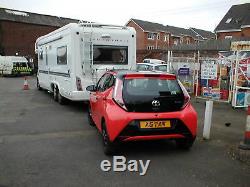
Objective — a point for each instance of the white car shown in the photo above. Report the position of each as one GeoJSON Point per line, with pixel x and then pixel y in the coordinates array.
{"type": "Point", "coordinates": [152, 67]}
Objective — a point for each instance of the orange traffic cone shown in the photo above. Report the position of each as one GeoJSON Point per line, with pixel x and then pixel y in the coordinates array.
{"type": "Point", "coordinates": [25, 84]}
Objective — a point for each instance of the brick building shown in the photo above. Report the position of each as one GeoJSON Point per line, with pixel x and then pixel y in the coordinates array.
{"type": "Point", "coordinates": [19, 31]}
{"type": "Point", "coordinates": [157, 36]}
{"type": "Point", "coordinates": [236, 23]}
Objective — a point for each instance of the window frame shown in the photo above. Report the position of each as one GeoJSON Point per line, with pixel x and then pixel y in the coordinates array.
{"type": "Point", "coordinates": [228, 37]}
{"type": "Point", "coordinates": [151, 36]}
{"type": "Point", "coordinates": [150, 47]}
{"type": "Point", "coordinates": [112, 47]}
{"type": "Point", "coordinates": [58, 57]}
{"type": "Point", "coordinates": [106, 83]}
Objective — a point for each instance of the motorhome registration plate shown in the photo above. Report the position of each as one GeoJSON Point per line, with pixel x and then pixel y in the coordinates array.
{"type": "Point", "coordinates": [155, 124]}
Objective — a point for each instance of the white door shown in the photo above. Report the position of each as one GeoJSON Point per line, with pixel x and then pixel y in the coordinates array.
{"type": "Point", "coordinates": [63, 72]}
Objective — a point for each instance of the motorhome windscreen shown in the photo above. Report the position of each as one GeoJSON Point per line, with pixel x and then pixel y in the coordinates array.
{"type": "Point", "coordinates": [19, 64]}
{"type": "Point", "coordinates": [115, 55]}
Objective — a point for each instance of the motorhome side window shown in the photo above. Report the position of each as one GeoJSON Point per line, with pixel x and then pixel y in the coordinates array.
{"type": "Point", "coordinates": [62, 55]}
{"type": "Point", "coordinates": [116, 55]}
{"type": "Point", "coordinates": [41, 54]}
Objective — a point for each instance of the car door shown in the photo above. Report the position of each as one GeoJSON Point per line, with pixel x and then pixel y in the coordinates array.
{"type": "Point", "coordinates": [98, 98]}
{"type": "Point", "coordinates": [94, 97]}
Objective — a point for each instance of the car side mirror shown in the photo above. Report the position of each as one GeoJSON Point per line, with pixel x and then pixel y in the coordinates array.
{"type": "Point", "coordinates": [91, 88]}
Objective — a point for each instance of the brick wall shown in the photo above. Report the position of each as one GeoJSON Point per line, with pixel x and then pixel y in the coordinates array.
{"type": "Point", "coordinates": [21, 37]}
{"type": "Point", "coordinates": [140, 39]}
{"type": "Point", "coordinates": [245, 32]}
{"type": "Point", "coordinates": [155, 54]}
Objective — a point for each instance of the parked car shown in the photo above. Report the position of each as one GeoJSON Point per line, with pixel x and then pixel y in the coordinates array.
{"type": "Point", "coordinates": [152, 67]}
{"type": "Point", "coordinates": [153, 61]}
{"type": "Point", "coordinates": [131, 106]}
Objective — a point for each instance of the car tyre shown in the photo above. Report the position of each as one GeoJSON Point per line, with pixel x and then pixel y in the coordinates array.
{"type": "Point", "coordinates": [185, 143]}
{"type": "Point", "coordinates": [55, 93]}
{"type": "Point", "coordinates": [90, 119]}
{"type": "Point", "coordinates": [108, 147]}
{"type": "Point", "coordinates": [38, 85]}
{"type": "Point", "coordinates": [61, 99]}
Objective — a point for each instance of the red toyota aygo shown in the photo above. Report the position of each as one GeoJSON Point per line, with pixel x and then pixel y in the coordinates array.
{"type": "Point", "coordinates": [132, 106]}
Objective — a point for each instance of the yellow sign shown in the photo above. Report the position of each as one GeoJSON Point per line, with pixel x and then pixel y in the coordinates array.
{"type": "Point", "coordinates": [240, 45]}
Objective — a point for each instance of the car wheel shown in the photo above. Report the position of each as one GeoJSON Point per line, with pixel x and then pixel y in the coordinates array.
{"type": "Point", "coordinates": [38, 85]}
{"type": "Point", "coordinates": [55, 93]}
{"type": "Point", "coordinates": [185, 143]}
{"type": "Point", "coordinates": [108, 147]}
{"type": "Point", "coordinates": [61, 99]}
{"type": "Point", "coordinates": [90, 119]}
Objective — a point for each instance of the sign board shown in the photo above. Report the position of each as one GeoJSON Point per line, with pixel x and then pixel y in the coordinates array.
{"type": "Point", "coordinates": [183, 69]}
{"type": "Point", "coordinates": [240, 45]}
{"type": "Point", "coordinates": [209, 71]}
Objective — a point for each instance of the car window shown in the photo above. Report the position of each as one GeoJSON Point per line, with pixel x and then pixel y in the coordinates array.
{"type": "Point", "coordinates": [152, 86]}
{"type": "Point", "coordinates": [161, 68]}
{"type": "Point", "coordinates": [100, 83]}
{"type": "Point", "coordinates": [109, 82]}
{"type": "Point", "coordinates": [105, 82]}
{"type": "Point", "coordinates": [144, 67]}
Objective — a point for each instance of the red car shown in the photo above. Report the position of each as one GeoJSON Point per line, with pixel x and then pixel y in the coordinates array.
{"type": "Point", "coordinates": [131, 106]}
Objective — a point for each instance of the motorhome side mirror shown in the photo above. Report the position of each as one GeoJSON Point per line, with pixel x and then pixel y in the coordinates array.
{"type": "Point", "coordinates": [91, 88]}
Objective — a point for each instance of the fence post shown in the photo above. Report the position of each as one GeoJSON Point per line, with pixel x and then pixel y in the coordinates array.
{"type": "Point", "coordinates": [197, 78]}
{"type": "Point", "coordinates": [208, 119]}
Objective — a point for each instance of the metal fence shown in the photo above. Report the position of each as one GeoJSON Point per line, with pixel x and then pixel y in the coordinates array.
{"type": "Point", "coordinates": [184, 68]}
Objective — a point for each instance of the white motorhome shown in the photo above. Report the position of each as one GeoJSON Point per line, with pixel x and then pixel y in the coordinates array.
{"type": "Point", "coordinates": [76, 55]}
{"type": "Point", "coordinates": [14, 65]}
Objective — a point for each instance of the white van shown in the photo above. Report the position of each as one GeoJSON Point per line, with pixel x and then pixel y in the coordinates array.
{"type": "Point", "coordinates": [14, 65]}
{"type": "Point", "coordinates": [154, 65]}
{"type": "Point", "coordinates": [77, 55]}
{"type": "Point", "coordinates": [153, 61]}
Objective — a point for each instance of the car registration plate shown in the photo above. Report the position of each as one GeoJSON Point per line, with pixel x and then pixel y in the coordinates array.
{"type": "Point", "coordinates": [155, 124]}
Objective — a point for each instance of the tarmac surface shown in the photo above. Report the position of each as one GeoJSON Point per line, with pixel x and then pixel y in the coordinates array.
{"type": "Point", "coordinates": [43, 143]}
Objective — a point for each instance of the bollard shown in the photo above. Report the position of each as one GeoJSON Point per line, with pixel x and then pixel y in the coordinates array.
{"type": "Point", "coordinates": [245, 144]}
{"type": "Point", "coordinates": [208, 119]}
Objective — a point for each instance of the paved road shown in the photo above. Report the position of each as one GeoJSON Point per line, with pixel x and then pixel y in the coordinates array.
{"type": "Point", "coordinates": [45, 144]}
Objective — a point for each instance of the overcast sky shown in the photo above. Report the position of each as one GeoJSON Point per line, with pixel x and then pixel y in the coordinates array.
{"type": "Point", "coordinates": [202, 14]}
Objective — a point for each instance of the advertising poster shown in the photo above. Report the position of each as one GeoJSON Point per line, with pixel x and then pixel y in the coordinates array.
{"type": "Point", "coordinates": [208, 70]}
{"type": "Point", "coordinates": [244, 69]}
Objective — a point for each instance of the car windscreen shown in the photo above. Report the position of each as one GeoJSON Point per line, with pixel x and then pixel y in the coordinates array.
{"type": "Point", "coordinates": [138, 94]}
{"type": "Point", "coordinates": [143, 67]}
{"type": "Point", "coordinates": [115, 55]}
{"type": "Point", "coordinates": [161, 68]}
{"type": "Point", "coordinates": [19, 64]}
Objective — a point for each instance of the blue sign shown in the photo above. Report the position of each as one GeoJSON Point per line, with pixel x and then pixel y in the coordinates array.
{"type": "Point", "coordinates": [183, 71]}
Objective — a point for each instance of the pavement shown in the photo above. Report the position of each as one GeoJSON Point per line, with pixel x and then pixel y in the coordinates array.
{"type": "Point", "coordinates": [43, 143]}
